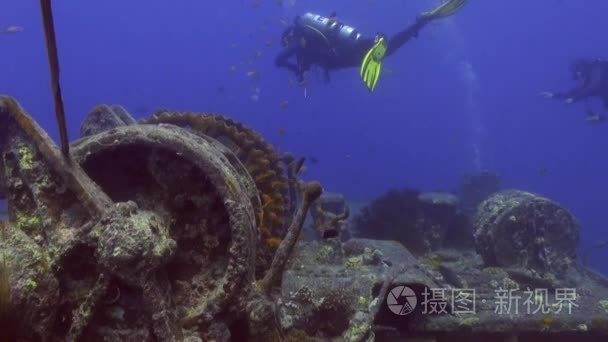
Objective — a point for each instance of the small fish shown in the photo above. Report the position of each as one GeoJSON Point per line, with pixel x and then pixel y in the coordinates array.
{"type": "Point", "coordinates": [232, 69]}
{"type": "Point", "coordinates": [292, 3]}
{"type": "Point", "coordinates": [284, 22]}
{"type": "Point", "coordinates": [347, 156]}
{"type": "Point", "coordinates": [256, 94]}
{"type": "Point", "coordinates": [256, 4]}
{"type": "Point", "coordinates": [12, 29]}
{"type": "Point", "coordinates": [234, 45]}
{"type": "Point", "coordinates": [254, 74]}
{"type": "Point", "coordinates": [313, 160]}
{"type": "Point", "coordinates": [542, 171]}
{"type": "Point", "coordinates": [269, 42]}
{"type": "Point", "coordinates": [291, 82]}
{"type": "Point", "coordinates": [281, 131]}
{"type": "Point", "coordinates": [595, 118]}
{"type": "Point", "coordinates": [284, 104]}
{"type": "Point", "coordinates": [257, 54]}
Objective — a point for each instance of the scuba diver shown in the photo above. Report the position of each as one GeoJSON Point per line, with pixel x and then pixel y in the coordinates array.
{"type": "Point", "coordinates": [315, 40]}
{"type": "Point", "coordinates": [592, 76]}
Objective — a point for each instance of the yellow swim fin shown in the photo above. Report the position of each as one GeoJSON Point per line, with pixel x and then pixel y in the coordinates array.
{"type": "Point", "coordinates": [445, 10]}
{"type": "Point", "coordinates": [372, 63]}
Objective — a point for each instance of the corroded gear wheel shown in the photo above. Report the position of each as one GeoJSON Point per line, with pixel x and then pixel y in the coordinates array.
{"type": "Point", "coordinates": [160, 244]}
{"type": "Point", "coordinates": [262, 163]}
{"type": "Point", "coordinates": [204, 195]}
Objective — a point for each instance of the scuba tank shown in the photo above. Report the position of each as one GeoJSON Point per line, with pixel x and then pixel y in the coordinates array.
{"type": "Point", "coordinates": [330, 30]}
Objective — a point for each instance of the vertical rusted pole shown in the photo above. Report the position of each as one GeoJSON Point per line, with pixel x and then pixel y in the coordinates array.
{"type": "Point", "coordinates": [311, 192]}
{"type": "Point", "coordinates": [51, 48]}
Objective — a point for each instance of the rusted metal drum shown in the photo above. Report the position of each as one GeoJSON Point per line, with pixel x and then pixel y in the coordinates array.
{"type": "Point", "coordinates": [517, 229]}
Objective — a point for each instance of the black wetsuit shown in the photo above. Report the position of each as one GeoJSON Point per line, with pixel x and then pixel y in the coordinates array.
{"type": "Point", "coordinates": [594, 83]}
{"type": "Point", "coordinates": [310, 49]}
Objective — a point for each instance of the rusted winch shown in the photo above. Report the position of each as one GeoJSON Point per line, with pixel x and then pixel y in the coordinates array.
{"type": "Point", "coordinates": [147, 232]}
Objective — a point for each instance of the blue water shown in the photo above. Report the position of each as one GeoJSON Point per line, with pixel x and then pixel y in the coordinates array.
{"type": "Point", "coordinates": [460, 98]}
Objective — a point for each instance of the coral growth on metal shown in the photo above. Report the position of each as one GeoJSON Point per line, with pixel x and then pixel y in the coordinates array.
{"type": "Point", "coordinates": [260, 160]}
{"type": "Point", "coordinates": [146, 232]}
{"type": "Point", "coordinates": [176, 230]}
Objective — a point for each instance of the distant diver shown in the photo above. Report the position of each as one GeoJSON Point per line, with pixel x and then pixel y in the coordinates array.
{"type": "Point", "coordinates": [331, 45]}
{"type": "Point", "coordinates": [592, 76]}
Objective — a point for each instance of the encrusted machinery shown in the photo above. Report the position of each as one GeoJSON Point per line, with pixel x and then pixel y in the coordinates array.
{"type": "Point", "coordinates": [329, 214]}
{"type": "Point", "coordinates": [260, 160]}
{"type": "Point", "coordinates": [151, 232]}
{"type": "Point", "coordinates": [517, 229]}
{"type": "Point", "coordinates": [147, 232]}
